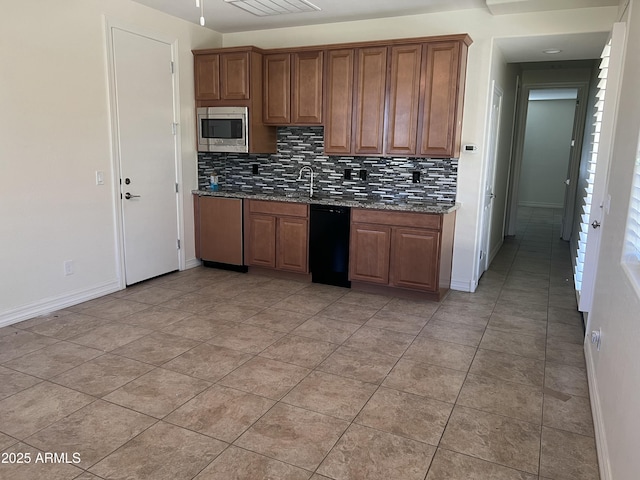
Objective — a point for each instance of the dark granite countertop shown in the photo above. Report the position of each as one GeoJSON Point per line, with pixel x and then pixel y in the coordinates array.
{"type": "Point", "coordinates": [426, 207]}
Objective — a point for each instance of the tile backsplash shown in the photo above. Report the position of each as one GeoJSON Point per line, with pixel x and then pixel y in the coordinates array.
{"type": "Point", "coordinates": [387, 179]}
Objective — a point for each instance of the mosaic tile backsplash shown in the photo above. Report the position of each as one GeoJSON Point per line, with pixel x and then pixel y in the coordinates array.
{"type": "Point", "coordinates": [387, 179]}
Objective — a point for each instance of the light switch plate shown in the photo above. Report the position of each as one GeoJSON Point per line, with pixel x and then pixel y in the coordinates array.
{"type": "Point", "coordinates": [99, 177]}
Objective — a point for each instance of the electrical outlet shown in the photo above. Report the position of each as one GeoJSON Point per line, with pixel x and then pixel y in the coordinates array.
{"type": "Point", "coordinates": [347, 174]}
{"type": "Point", "coordinates": [254, 169]}
{"type": "Point", "coordinates": [415, 177]}
{"type": "Point", "coordinates": [68, 267]}
{"type": "Point", "coordinates": [363, 174]}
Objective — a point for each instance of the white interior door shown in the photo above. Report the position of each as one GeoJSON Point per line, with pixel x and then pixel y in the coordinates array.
{"type": "Point", "coordinates": [594, 199]}
{"type": "Point", "coordinates": [490, 179]}
{"type": "Point", "coordinates": [146, 144]}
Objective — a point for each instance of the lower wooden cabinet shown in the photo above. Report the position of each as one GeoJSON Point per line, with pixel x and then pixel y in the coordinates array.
{"type": "Point", "coordinates": [400, 249]}
{"type": "Point", "coordinates": [415, 261]}
{"type": "Point", "coordinates": [218, 229]}
{"type": "Point", "coordinates": [262, 241]}
{"type": "Point", "coordinates": [369, 253]}
{"type": "Point", "coordinates": [277, 235]}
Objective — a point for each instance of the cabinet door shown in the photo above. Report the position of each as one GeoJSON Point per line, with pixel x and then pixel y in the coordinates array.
{"type": "Point", "coordinates": [234, 79]}
{"type": "Point", "coordinates": [371, 74]}
{"type": "Point", "coordinates": [338, 101]}
{"type": "Point", "coordinates": [403, 100]}
{"type": "Point", "coordinates": [441, 71]}
{"type": "Point", "coordinates": [414, 259]}
{"type": "Point", "coordinates": [277, 89]}
{"type": "Point", "coordinates": [306, 90]}
{"type": "Point", "coordinates": [221, 230]}
{"type": "Point", "coordinates": [207, 76]}
{"type": "Point", "coordinates": [369, 253]}
{"type": "Point", "coordinates": [292, 244]}
{"type": "Point", "coordinates": [262, 241]}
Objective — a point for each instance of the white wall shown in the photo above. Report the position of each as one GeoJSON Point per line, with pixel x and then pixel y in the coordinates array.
{"type": "Point", "coordinates": [483, 28]}
{"type": "Point", "coordinates": [54, 135]}
{"type": "Point", "coordinates": [614, 371]}
{"type": "Point", "coordinates": [546, 152]}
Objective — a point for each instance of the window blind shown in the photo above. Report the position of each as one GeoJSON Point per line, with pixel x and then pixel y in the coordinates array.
{"type": "Point", "coordinates": [632, 238]}
{"type": "Point", "coordinates": [585, 204]}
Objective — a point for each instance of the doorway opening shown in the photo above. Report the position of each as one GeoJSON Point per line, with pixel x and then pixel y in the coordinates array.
{"type": "Point", "coordinates": [548, 150]}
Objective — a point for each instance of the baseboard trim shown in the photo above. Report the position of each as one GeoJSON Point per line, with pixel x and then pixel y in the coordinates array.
{"type": "Point", "coordinates": [192, 263]}
{"type": "Point", "coordinates": [463, 286]}
{"type": "Point", "coordinates": [52, 304]}
{"type": "Point", "coordinates": [596, 411]}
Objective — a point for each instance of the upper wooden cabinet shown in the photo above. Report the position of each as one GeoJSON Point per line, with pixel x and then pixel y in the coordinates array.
{"type": "Point", "coordinates": [338, 101]}
{"type": "Point", "coordinates": [400, 99]}
{"type": "Point", "coordinates": [441, 101]}
{"type": "Point", "coordinates": [222, 76]}
{"type": "Point", "coordinates": [234, 76]}
{"type": "Point", "coordinates": [396, 97]}
{"type": "Point", "coordinates": [354, 107]}
{"type": "Point", "coordinates": [371, 74]}
{"type": "Point", "coordinates": [293, 88]}
{"type": "Point", "coordinates": [403, 100]}
{"type": "Point", "coordinates": [207, 76]}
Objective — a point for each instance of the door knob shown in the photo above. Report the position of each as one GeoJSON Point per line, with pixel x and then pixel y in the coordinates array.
{"type": "Point", "coordinates": [128, 196]}
{"type": "Point", "coordinates": [595, 224]}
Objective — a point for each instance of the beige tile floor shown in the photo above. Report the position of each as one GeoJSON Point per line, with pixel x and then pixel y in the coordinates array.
{"type": "Point", "coordinates": [209, 374]}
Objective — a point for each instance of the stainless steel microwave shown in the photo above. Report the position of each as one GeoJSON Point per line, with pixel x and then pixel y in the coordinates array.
{"type": "Point", "coordinates": [223, 129]}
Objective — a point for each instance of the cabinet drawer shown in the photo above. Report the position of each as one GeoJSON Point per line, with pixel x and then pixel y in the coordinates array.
{"type": "Point", "coordinates": [400, 219]}
{"type": "Point", "coordinates": [279, 208]}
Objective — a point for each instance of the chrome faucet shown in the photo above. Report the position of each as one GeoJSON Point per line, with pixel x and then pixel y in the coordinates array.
{"type": "Point", "coordinates": [307, 167]}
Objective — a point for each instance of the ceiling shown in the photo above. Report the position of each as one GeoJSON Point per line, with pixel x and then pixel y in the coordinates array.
{"type": "Point", "coordinates": [226, 18]}
{"type": "Point", "coordinates": [223, 17]}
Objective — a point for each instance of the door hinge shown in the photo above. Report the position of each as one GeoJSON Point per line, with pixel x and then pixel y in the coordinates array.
{"type": "Point", "coordinates": [173, 68]}
{"type": "Point", "coordinates": [177, 191]}
{"type": "Point", "coordinates": [178, 243]}
{"type": "Point", "coordinates": [174, 128]}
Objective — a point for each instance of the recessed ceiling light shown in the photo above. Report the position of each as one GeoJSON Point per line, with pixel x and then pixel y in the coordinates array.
{"type": "Point", "coordinates": [264, 8]}
{"type": "Point", "coordinates": [552, 51]}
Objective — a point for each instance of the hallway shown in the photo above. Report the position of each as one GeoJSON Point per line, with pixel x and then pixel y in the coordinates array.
{"type": "Point", "coordinates": [210, 374]}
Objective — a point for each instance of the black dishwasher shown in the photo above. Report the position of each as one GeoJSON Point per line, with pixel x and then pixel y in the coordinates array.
{"type": "Point", "coordinates": [329, 244]}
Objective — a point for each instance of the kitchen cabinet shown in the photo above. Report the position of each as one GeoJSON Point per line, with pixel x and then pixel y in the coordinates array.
{"type": "Point", "coordinates": [222, 76]}
{"type": "Point", "coordinates": [293, 88]}
{"type": "Point", "coordinates": [277, 235]}
{"type": "Point", "coordinates": [399, 98]}
{"type": "Point", "coordinates": [403, 100]}
{"type": "Point", "coordinates": [369, 253]}
{"type": "Point", "coordinates": [218, 229]}
{"type": "Point", "coordinates": [441, 101]}
{"type": "Point", "coordinates": [415, 258]}
{"type": "Point", "coordinates": [356, 84]}
{"type": "Point", "coordinates": [262, 241]}
{"type": "Point", "coordinates": [371, 74]}
{"type": "Point", "coordinates": [232, 77]}
{"type": "Point", "coordinates": [207, 76]}
{"type": "Point", "coordinates": [338, 101]}
{"type": "Point", "coordinates": [402, 249]}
